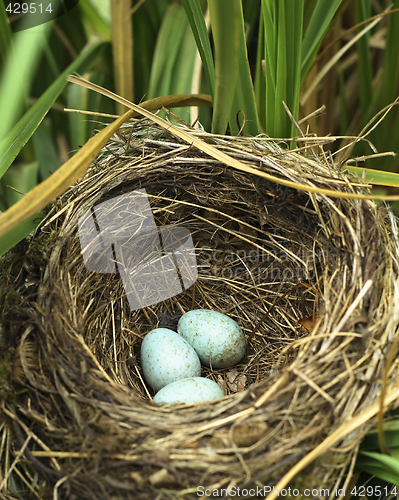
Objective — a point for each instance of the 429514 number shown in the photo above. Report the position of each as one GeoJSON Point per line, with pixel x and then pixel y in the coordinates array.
{"type": "Point", "coordinates": [24, 8]}
{"type": "Point", "coordinates": [370, 491]}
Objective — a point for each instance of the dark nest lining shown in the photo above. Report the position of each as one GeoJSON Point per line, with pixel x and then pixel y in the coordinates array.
{"type": "Point", "coordinates": [270, 257]}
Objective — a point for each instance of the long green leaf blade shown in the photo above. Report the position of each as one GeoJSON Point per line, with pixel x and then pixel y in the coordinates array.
{"type": "Point", "coordinates": [5, 33]}
{"type": "Point", "coordinates": [20, 232]}
{"type": "Point", "coordinates": [92, 18]}
{"type": "Point", "coordinates": [376, 177]}
{"type": "Point", "coordinates": [380, 465]}
{"type": "Point", "coordinates": [363, 12]}
{"type": "Point", "coordinates": [283, 43]}
{"type": "Point", "coordinates": [169, 41]}
{"type": "Point", "coordinates": [18, 72]}
{"type": "Point", "coordinates": [244, 98]}
{"type": "Point", "coordinates": [316, 29]}
{"type": "Point", "coordinates": [15, 140]}
{"type": "Point", "coordinates": [260, 80]}
{"type": "Point", "coordinates": [282, 83]}
{"type": "Point", "coordinates": [294, 16]}
{"type": "Point", "coordinates": [389, 133]}
{"type": "Point", "coordinates": [270, 38]}
{"type": "Point", "coordinates": [200, 32]}
{"type": "Point", "coordinates": [391, 432]}
{"type": "Point", "coordinates": [23, 177]}
{"type": "Point", "coordinates": [224, 16]}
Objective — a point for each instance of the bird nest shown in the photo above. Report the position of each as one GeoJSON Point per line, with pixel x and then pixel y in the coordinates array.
{"type": "Point", "coordinates": [310, 278]}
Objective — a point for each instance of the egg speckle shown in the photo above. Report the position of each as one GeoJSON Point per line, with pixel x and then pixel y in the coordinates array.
{"type": "Point", "coordinates": [188, 391]}
{"type": "Point", "coordinates": [217, 339]}
{"type": "Point", "coordinates": [166, 357]}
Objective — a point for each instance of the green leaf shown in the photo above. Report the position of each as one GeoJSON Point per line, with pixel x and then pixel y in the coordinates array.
{"type": "Point", "coordinates": [382, 466]}
{"type": "Point", "coordinates": [76, 98]}
{"type": "Point", "coordinates": [5, 33]}
{"type": "Point", "coordinates": [391, 433]}
{"type": "Point", "coordinates": [244, 98]}
{"type": "Point", "coordinates": [22, 177]}
{"type": "Point", "coordinates": [182, 77]}
{"type": "Point", "coordinates": [388, 137]}
{"type": "Point", "coordinates": [283, 44]}
{"type": "Point", "coordinates": [363, 12]}
{"type": "Point", "coordinates": [225, 26]}
{"type": "Point", "coordinates": [293, 20]}
{"type": "Point", "coordinates": [377, 177]}
{"type": "Point", "coordinates": [200, 32]}
{"type": "Point", "coordinates": [270, 57]}
{"type": "Point", "coordinates": [169, 42]}
{"type": "Point", "coordinates": [319, 23]}
{"type": "Point", "coordinates": [45, 150]}
{"type": "Point", "coordinates": [18, 73]}
{"type": "Point", "coordinates": [15, 140]}
{"type": "Point", "coordinates": [93, 21]}
{"type": "Point", "coordinates": [183, 72]}
{"type": "Point", "coordinates": [20, 232]}
{"type": "Point", "coordinates": [260, 80]}
{"type": "Point", "coordinates": [81, 127]}
{"type": "Point", "coordinates": [282, 73]}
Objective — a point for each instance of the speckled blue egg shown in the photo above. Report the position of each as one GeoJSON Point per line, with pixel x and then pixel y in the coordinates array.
{"type": "Point", "coordinates": [216, 338]}
{"type": "Point", "coordinates": [166, 357]}
{"type": "Point", "coordinates": [188, 391]}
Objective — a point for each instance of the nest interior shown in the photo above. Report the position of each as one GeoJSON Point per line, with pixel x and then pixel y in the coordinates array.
{"type": "Point", "coordinates": [311, 280]}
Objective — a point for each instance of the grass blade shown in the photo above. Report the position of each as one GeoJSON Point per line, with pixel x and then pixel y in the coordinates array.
{"type": "Point", "coordinates": [283, 45]}
{"type": "Point", "coordinates": [293, 19]}
{"type": "Point", "coordinates": [20, 232]}
{"type": "Point", "coordinates": [380, 465]}
{"type": "Point", "coordinates": [174, 58]}
{"type": "Point", "coordinates": [200, 32]}
{"type": "Point", "coordinates": [376, 177]}
{"type": "Point", "coordinates": [5, 33]}
{"type": "Point", "coordinates": [389, 133]}
{"type": "Point", "coordinates": [391, 432]}
{"type": "Point", "coordinates": [45, 149]}
{"type": "Point", "coordinates": [244, 98]}
{"type": "Point", "coordinates": [319, 23]}
{"type": "Point", "coordinates": [76, 98]}
{"type": "Point", "coordinates": [122, 49]}
{"type": "Point", "coordinates": [80, 130]}
{"type": "Point", "coordinates": [224, 15]}
{"type": "Point", "coordinates": [363, 12]}
{"type": "Point", "coordinates": [326, 68]}
{"type": "Point", "coordinates": [146, 25]}
{"type": "Point", "coordinates": [260, 80]}
{"type": "Point", "coordinates": [22, 177]}
{"type": "Point", "coordinates": [270, 57]}
{"type": "Point", "coordinates": [22, 61]}
{"type": "Point", "coordinates": [94, 22]}
{"type": "Point", "coordinates": [167, 51]}
{"type": "Point", "coordinates": [15, 140]}
{"type": "Point", "coordinates": [183, 76]}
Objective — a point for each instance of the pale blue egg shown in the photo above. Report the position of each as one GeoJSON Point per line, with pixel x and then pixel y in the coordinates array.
{"type": "Point", "coordinates": [188, 391]}
{"type": "Point", "coordinates": [216, 338]}
{"type": "Point", "coordinates": [166, 357]}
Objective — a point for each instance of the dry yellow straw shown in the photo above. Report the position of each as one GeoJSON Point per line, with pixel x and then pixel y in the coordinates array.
{"type": "Point", "coordinates": [331, 440]}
